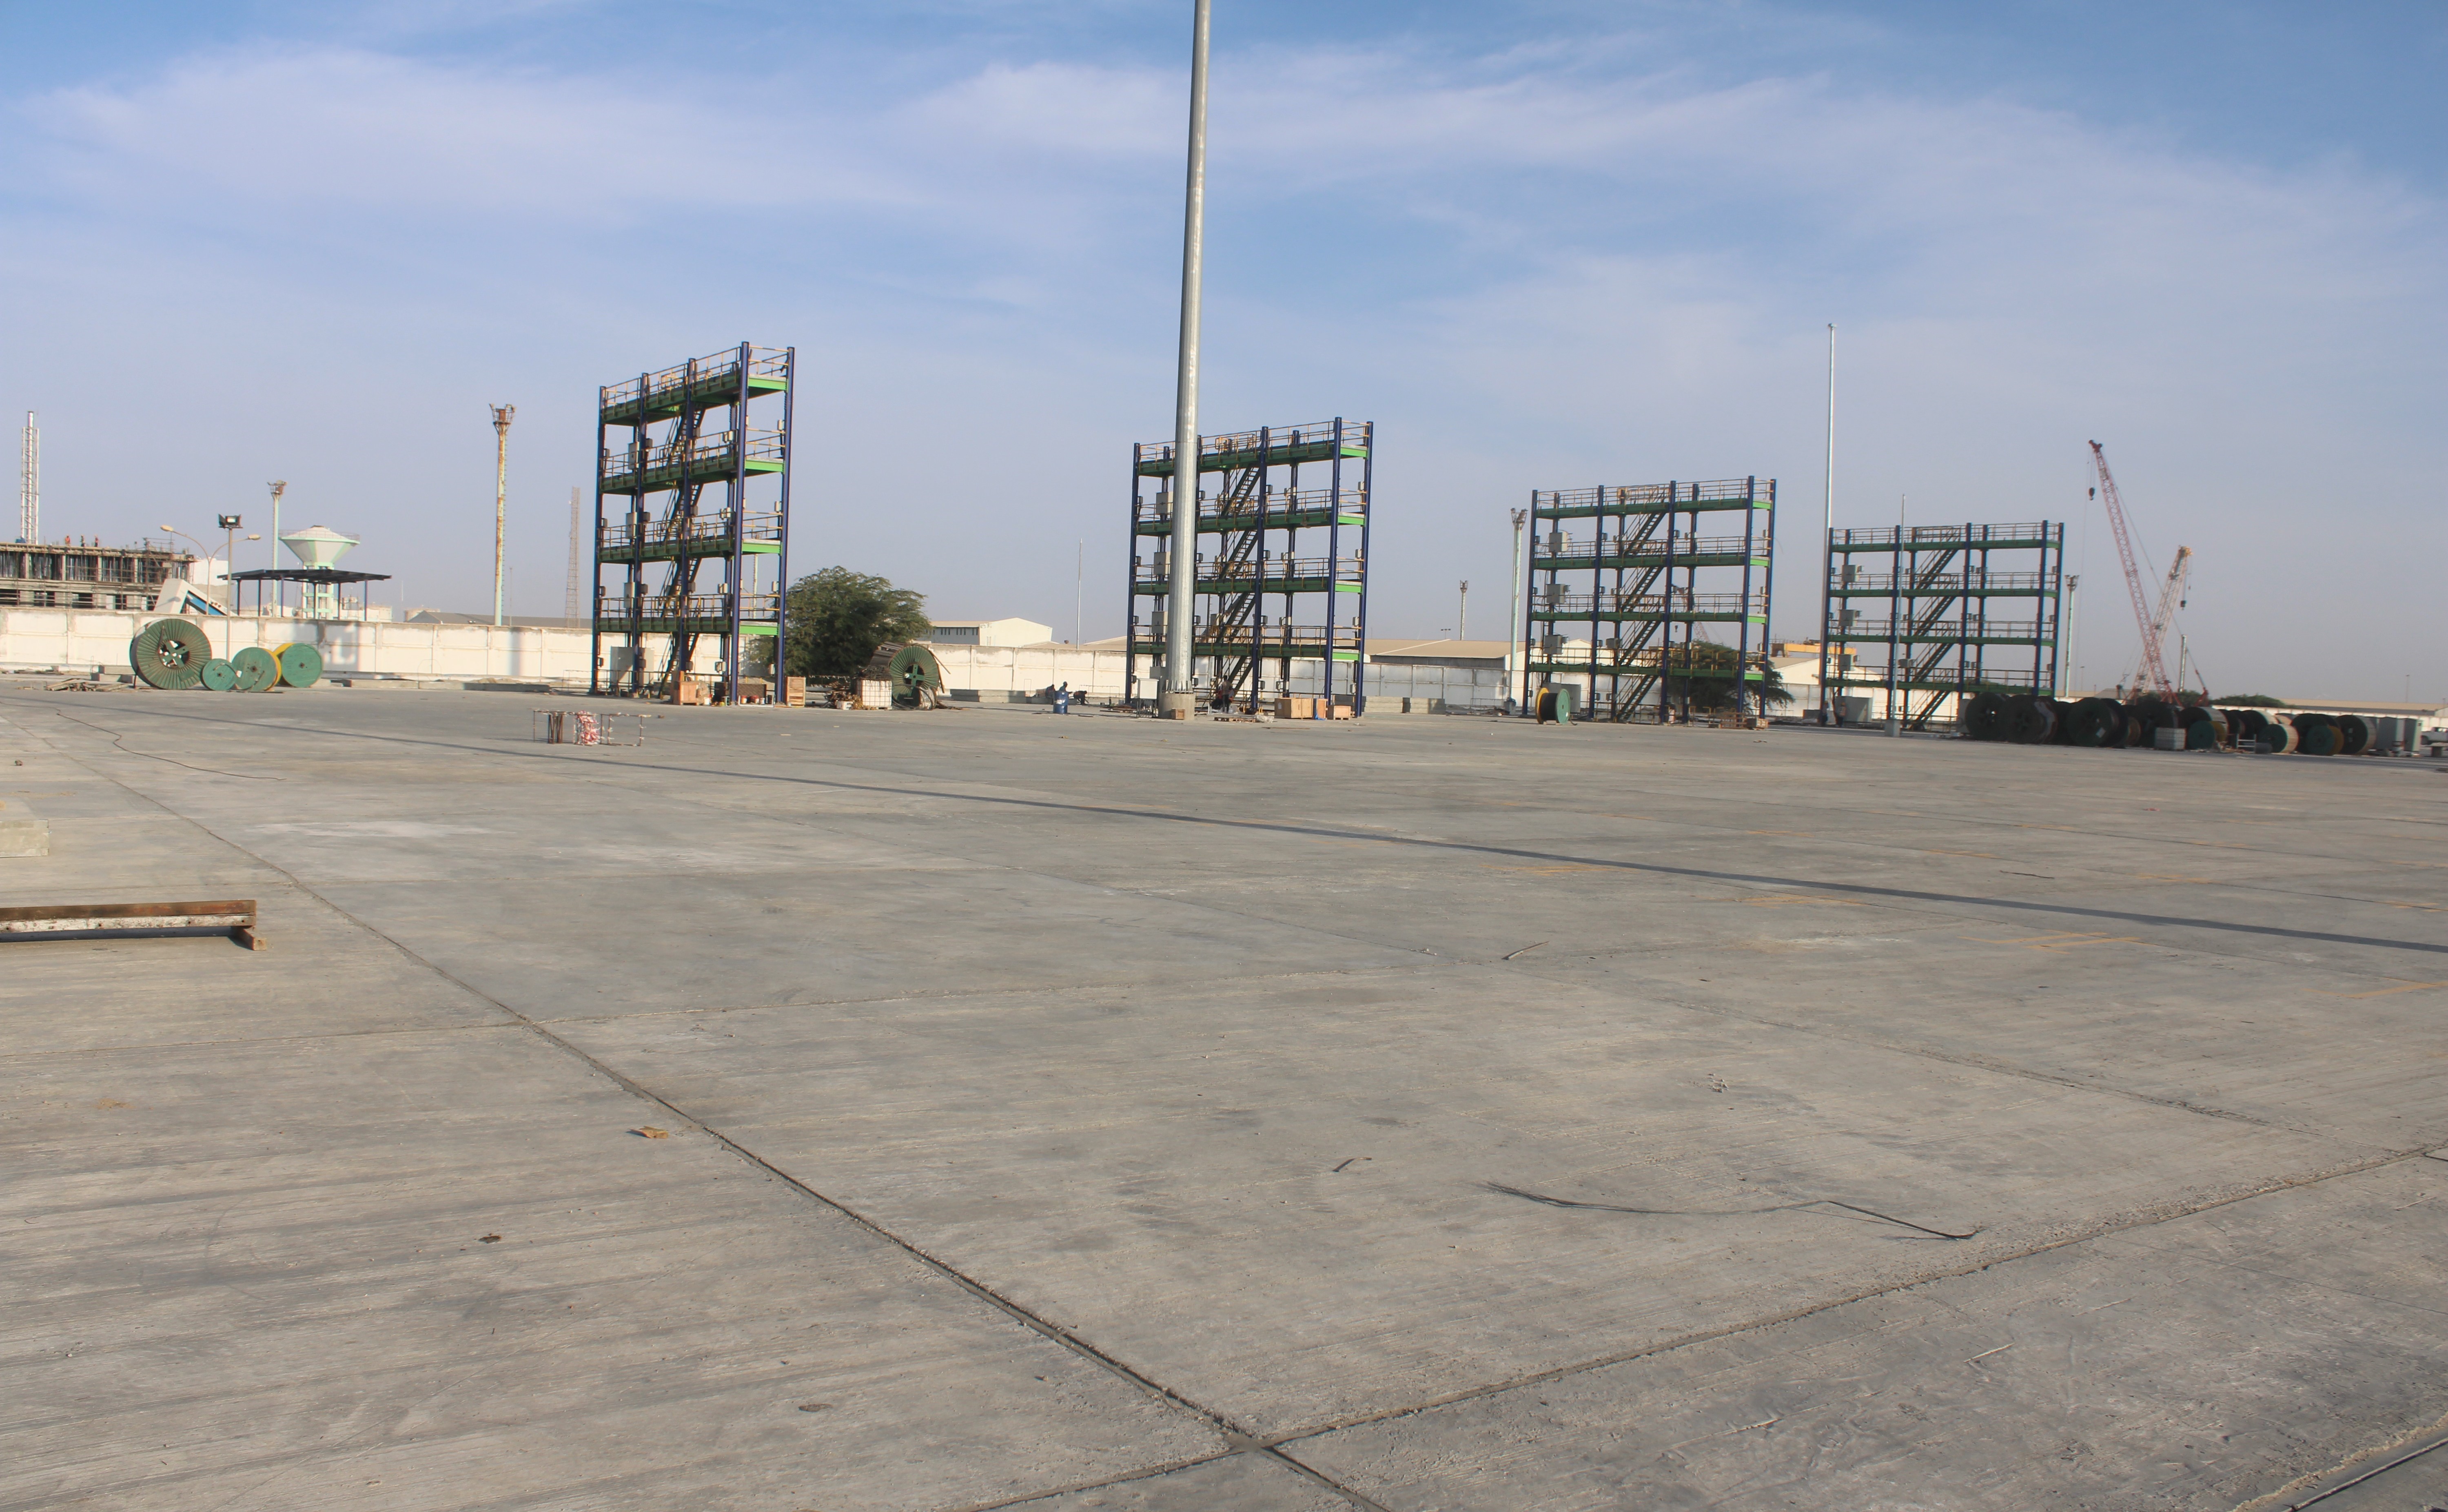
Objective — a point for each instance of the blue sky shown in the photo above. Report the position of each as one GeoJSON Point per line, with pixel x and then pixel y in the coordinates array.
{"type": "Point", "coordinates": [1546, 244]}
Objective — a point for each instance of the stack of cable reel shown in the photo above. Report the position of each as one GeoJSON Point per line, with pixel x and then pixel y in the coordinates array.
{"type": "Point", "coordinates": [2104, 723]}
{"type": "Point", "coordinates": [173, 653]}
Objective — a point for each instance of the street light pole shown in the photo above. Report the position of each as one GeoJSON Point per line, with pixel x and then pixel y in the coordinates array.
{"type": "Point", "coordinates": [279, 590]}
{"type": "Point", "coordinates": [1827, 541]}
{"type": "Point", "coordinates": [230, 525]}
{"type": "Point", "coordinates": [1514, 626]}
{"type": "Point", "coordinates": [502, 416]}
{"type": "Point", "coordinates": [1181, 540]}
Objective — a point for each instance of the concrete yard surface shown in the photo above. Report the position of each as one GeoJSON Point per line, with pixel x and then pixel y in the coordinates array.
{"type": "Point", "coordinates": [815, 1109]}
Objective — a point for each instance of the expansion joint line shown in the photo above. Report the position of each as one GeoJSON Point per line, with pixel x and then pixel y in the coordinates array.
{"type": "Point", "coordinates": [1238, 1440]}
{"type": "Point", "coordinates": [1748, 1326]}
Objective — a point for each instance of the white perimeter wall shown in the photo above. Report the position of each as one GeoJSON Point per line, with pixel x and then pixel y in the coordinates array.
{"type": "Point", "coordinates": [80, 639]}
{"type": "Point", "coordinates": [1027, 668]}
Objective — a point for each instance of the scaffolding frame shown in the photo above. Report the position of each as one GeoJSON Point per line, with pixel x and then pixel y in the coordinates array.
{"type": "Point", "coordinates": [1941, 587]}
{"type": "Point", "coordinates": [1645, 552]}
{"type": "Point", "coordinates": [673, 450]}
{"type": "Point", "coordinates": [1256, 524]}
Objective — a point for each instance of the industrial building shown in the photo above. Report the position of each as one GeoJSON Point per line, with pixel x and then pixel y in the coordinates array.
{"type": "Point", "coordinates": [86, 575]}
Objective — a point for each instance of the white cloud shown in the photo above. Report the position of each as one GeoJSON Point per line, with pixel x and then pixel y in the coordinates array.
{"type": "Point", "coordinates": [396, 136]}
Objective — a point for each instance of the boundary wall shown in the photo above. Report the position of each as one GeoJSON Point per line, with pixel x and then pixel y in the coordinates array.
{"type": "Point", "coordinates": [79, 640]}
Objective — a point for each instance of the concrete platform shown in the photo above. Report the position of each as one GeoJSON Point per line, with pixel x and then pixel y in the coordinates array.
{"type": "Point", "coordinates": [982, 1108]}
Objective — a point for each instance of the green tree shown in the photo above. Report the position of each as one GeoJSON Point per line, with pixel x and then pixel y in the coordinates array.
{"type": "Point", "coordinates": [2249, 701]}
{"type": "Point", "coordinates": [838, 617]}
{"type": "Point", "coordinates": [1716, 694]}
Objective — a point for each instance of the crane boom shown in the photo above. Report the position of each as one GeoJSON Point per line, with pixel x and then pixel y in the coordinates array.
{"type": "Point", "coordinates": [2154, 664]}
{"type": "Point", "coordinates": [2172, 593]}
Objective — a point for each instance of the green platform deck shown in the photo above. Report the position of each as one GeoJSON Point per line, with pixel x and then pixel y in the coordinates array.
{"type": "Point", "coordinates": [704, 546]}
{"type": "Point", "coordinates": [708, 392]}
{"type": "Point", "coordinates": [1279, 455]}
{"type": "Point", "coordinates": [1275, 520]}
{"type": "Point", "coordinates": [1586, 562]}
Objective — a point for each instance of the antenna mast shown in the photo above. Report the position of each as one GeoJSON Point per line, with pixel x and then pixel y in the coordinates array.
{"type": "Point", "coordinates": [29, 485]}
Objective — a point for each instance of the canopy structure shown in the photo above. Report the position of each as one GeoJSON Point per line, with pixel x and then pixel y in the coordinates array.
{"type": "Point", "coordinates": [328, 576]}
{"type": "Point", "coordinates": [323, 585]}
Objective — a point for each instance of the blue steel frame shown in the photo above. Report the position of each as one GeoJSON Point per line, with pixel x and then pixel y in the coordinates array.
{"type": "Point", "coordinates": [733, 549]}
{"type": "Point", "coordinates": [1340, 430]}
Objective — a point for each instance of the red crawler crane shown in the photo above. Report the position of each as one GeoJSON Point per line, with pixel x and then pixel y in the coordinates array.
{"type": "Point", "coordinates": [2153, 664]}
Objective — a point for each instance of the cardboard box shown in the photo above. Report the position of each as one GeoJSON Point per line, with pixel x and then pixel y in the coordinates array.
{"type": "Point", "coordinates": [1288, 706]}
{"type": "Point", "coordinates": [691, 690]}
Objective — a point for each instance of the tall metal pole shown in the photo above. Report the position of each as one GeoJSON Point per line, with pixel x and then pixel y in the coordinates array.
{"type": "Point", "coordinates": [1182, 539]}
{"type": "Point", "coordinates": [1513, 626]}
{"type": "Point", "coordinates": [29, 485]}
{"type": "Point", "coordinates": [1895, 614]}
{"type": "Point", "coordinates": [502, 414]}
{"type": "Point", "coordinates": [1461, 616]}
{"type": "Point", "coordinates": [279, 590]}
{"type": "Point", "coordinates": [1827, 537]}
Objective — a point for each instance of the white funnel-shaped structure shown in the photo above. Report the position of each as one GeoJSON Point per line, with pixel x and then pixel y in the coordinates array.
{"type": "Point", "coordinates": [317, 545]}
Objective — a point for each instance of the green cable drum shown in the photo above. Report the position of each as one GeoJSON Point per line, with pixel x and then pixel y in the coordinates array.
{"type": "Point", "coordinates": [218, 676]}
{"type": "Point", "coordinates": [254, 668]}
{"type": "Point", "coordinates": [301, 665]}
{"type": "Point", "coordinates": [914, 666]}
{"type": "Point", "coordinates": [170, 653]}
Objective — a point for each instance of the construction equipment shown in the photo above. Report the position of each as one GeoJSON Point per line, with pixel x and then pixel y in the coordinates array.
{"type": "Point", "coordinates": [2171, 597]}
{"type": "Point", "coordinates": [2154, 628]}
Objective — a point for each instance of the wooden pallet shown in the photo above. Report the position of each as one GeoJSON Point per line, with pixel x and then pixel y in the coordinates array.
{"type": "Point", "coordinates": [234, 915]}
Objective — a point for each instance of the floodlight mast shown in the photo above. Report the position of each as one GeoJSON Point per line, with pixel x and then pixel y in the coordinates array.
{"type": "Point", "coordinates": [280, 590]}
{"type": "Point", "coordinates": [1827, 545]}
{"type": "Point", "coordinates": [29, 485]}
{"type": "Point", "coordinates": [502, 414]}
{"type": "Point", "coordinates": [1181, 536]}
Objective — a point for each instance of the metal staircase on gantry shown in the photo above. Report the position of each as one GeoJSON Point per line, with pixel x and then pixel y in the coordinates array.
{"type": "Point", "coordinates": [1249, 537]}
{"type": "Point", "coordinates": [676, 450]}
{"type": "Point", "coordinates": [1948, 613]}
{"type": "Point", "coordinates": [1645, 554]}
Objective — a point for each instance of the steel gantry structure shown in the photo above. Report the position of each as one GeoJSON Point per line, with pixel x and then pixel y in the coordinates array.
{"type": "Point", "coordinates": [686, 428]}
{"type": "Point", "coordinates": [1249, 545]}
{"type": "Point", "coordinates": [1951, 626]}
{"type": "Point", "coordinates": [1634, 577]}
